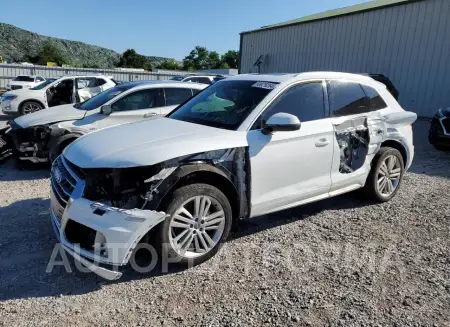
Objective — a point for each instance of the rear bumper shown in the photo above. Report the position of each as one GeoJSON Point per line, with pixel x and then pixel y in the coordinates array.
{"type": "Point", "coordinates": [114, 233]}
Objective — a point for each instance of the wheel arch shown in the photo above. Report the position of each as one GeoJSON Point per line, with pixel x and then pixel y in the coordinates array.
{"type": "Point", "coordinates": [31, 100]}
{"type": "Point", "coordinates": [398, 146]}
{"type": "Point", "coordinates": [207, 174]}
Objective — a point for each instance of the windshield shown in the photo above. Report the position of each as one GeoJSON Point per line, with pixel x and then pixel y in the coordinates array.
{"type": "Point", "coordinates": [24, 79]}
{"type": "Point", "coordinates": [43, 84]}
{"type": "Point", "coordinates": [224, 104]}
{"type": "Point", "coordinates": [177, 78]}
{"type": "Point", "coordinates": [101, 98]}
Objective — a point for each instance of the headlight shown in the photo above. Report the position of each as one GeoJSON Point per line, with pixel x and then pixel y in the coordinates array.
{"type": "Point", "coordinates": [8, 97]}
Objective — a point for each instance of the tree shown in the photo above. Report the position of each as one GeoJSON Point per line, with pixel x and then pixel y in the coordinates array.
{"type": "Point", "coordinates": [201, 58]}
{"type": "Point", "coordinates": [197, 59]}
{"type": "Point", "coordinates": [131, 59]}
{"type": "Point", "coordinates": [231, 58]}
{"type": "Point", "coordinates": [48, 53]}
{"type": "Point", "coordinates": [170, 65]}
{"type": "Point", "coordinates": [214, 60]}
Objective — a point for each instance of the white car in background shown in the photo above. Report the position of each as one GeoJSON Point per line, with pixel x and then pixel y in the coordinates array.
{"type": "Point", "coordinates": [24, 82]}
{"type": "Point", "coordinates": [245, 146]}
{"type": "Point", "coordinates": [65, 90]}
{"type": "Point", "coordinates": [43, 135]}
{"type": "Point", "coordinates": [202, 79]}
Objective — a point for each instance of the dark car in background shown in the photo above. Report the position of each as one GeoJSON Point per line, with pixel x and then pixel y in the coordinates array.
{"type": "Point", "coordinates": [439, 134]}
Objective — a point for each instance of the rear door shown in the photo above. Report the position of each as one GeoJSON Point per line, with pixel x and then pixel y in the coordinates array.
{"type": "Point", "coordinates": [86, 88]}
{"type": "Point", "coordinates": [358, 130]}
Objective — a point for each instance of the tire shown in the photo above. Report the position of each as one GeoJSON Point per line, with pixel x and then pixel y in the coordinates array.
{"type": "Point", "coordinates": [29, 107]}
{"type": "Point", "coordinates": [56, 147]}
{"type": "Point", "coordinates": [372, 190]}
{"type": "Point", "coordinates": [179, 198]}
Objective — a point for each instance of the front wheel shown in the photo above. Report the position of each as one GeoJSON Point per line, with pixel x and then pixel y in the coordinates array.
{"type": "Point", "coordinates": [199, 221]}
{"type": "Point", "coordinates": [30, 107]}
{"type": "Point", "coordinates": [386, 175]}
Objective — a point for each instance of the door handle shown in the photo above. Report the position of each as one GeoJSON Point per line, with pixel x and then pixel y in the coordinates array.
{"type": "Point", "coordinates": [322, 142]}
{"type": "Point", "coordinates": [150, 114]}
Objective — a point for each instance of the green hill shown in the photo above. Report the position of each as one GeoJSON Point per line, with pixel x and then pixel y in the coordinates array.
{"type": "Point", "coordinates": [17, 44]}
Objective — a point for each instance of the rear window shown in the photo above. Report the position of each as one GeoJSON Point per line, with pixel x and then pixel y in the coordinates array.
{"type": "Point", "coordinates": [374, 100]}
{"type": "Point", "coordinates": [24, 79]}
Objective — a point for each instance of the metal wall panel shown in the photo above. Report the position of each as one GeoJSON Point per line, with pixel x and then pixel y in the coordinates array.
{"type": "Point", "coordinates": [409, 43]}
{"type": "Point", "coordinates": [9, 71]}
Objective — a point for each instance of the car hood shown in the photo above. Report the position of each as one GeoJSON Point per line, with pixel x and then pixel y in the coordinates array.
{"type": "Point", "coordinates": [149, 142]}
{"type": "Point", "coordinates": [20, 92]}
{"type": "Point", "coordinates": [50, 116]}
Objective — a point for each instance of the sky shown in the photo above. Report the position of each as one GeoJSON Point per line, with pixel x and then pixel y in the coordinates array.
{"type": "Point", "coordinates": [157, 28]}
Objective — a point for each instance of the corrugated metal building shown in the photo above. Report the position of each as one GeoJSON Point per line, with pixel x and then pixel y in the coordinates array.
{"type": "Point", "coordinates": [406, 40]}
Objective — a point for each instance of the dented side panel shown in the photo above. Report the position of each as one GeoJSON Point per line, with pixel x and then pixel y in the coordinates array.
{"type": "Point", "coordinates": [358, 140]}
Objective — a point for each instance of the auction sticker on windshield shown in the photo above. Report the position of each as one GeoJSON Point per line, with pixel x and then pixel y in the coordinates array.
{"type": "Point", "coordinates": [265, 85]}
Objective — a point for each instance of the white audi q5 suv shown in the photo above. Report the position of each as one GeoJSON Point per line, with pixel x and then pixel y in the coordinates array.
{"type": "Point", "coordinates": [245, 146]}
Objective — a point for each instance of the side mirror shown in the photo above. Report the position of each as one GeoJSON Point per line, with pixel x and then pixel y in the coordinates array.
{"type": "Point", "coordinates": [281, 122]}
{"type": "Point", "coordinates": [106, 109]}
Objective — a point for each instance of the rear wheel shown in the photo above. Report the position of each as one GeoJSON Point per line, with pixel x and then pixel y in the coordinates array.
{"type": "Point", "coordinates": [29, 107]}
{"type": "Point", "coordinates": [386, 175]}
{"type": "Point", "coordinates": [199, 221]}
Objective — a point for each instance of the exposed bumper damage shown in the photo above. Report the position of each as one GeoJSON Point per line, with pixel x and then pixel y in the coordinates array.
{"type": "Point", "coordinates": [6, 145]}
{"type": "Point", "coordinates": [26, 144]}
{"type": "Point", "coordinates": [102, 238]}
{"type": "Point", "coordinates": [100, 215]}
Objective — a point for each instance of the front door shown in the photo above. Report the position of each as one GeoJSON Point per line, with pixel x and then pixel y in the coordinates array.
{"type": "Point", "coordinates": [291, 168]}
{"type": "Point", "coordinates": [131, 107]}
{"type": "Point", "coordinates": [60, 93]}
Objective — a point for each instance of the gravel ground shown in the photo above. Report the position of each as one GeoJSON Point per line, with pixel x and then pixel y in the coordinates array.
{"type": "Point", "coordinates": [338, 262]}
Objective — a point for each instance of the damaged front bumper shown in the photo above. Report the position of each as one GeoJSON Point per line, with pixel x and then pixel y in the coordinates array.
{"type": "Point", "coordinates": [100, 237]}
{"type": "Point", "coordinates": [6, 146]}
{"type": "Point", "coordinates": [26, 144]}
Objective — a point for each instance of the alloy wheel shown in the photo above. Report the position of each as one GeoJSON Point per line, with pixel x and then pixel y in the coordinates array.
{"type": "Point", "coordinates": [30, 107]}
{"type": "Point", "coordinates": [197, 226]}
{"type": "Point", "coordinates": [389, 174]}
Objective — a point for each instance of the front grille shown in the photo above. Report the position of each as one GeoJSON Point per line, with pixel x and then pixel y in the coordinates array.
{"type": "Point", "coordinates": [446, 124]}
{"type": "Point", "coordinates": [16, 87]}
{"type": "Point", "coordinates": [63, 182]}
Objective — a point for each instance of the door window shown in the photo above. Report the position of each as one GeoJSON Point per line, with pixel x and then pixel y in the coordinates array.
{"type": "Point", "coordinates": [176, 96]}
{"type": "Point", "coordinates": [143, 99]}
{"type": "Point", "coordinates": [85, 82]}
{"type": "Point", "coordinates": [346, 98]}
{"type": "Point", "coordinates": [203, 80]}
{"type": "Point", "coordinates": [304, 101]}
{"type": "Point", "coordinates": [195, 91]}
{"type": "Point", "coordinates": [373, 100]}
{"type": "Point", "coordinates": [39, 79]}
{"type": "Point", "coordinates": [100, 82]}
